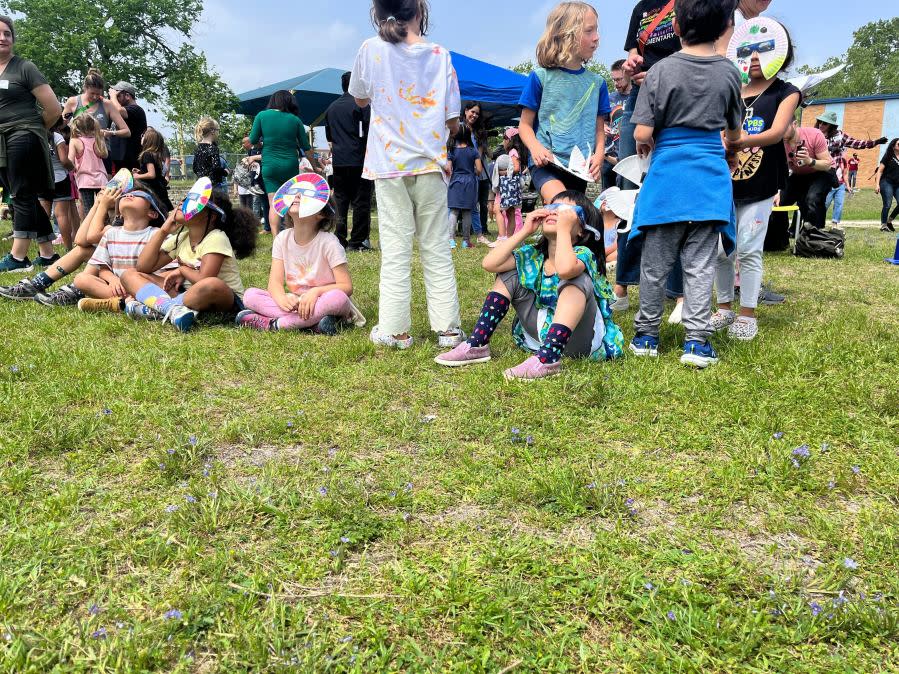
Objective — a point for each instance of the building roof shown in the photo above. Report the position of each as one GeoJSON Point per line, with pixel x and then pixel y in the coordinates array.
{"type": "Point", "coordinates": [860, 99]}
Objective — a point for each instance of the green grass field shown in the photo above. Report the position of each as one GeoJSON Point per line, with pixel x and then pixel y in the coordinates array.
{"type": "Point", "coordinates": [230, 501]}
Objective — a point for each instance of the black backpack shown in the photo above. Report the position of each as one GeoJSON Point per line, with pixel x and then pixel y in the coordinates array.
{"type": "Point", "coordinates": [813, 242]}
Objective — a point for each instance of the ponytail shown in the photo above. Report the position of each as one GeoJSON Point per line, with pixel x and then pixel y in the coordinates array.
{"type": "Point", "coordinates": [94, 80]}
{"type": "Point", "coordinates": [391, 18]}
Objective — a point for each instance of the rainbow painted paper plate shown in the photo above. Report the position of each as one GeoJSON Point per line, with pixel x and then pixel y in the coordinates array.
{"type": "Point", "coordinates": [312, 191]}
{"type": "Point", "coordinates": [122, 180]}
{"type": "Point", "coordinates": [197, 198]}
{"type": "Point", "coordinates": [762, 36]}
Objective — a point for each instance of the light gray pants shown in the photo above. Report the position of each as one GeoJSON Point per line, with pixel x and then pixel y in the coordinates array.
{"type": "Point", "coordinates": [697, 246]}
{"type": "Point", "coordinates": [465, 214]}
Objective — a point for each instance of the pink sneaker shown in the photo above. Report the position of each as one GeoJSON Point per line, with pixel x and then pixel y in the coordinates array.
{"type": "Point", "coordinates": [464, 354]}
{"type": "Point", "coordinates": [249, 319]}
{"type": "Point", "coordinates": [532, 369]}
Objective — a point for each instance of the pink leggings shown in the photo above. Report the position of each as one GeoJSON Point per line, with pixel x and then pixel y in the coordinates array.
{"type": "Point", "coordinates": [332, 303]}
{"type": "Point", "coordinates": [501, 213]}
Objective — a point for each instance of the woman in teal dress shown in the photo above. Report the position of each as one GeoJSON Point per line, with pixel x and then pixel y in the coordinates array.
{"type": "Point", "coordinates": [283, 137]}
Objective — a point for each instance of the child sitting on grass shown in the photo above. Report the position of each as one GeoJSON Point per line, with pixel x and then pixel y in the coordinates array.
{"type": "Point", "coordinates": [557, 288]}
{"type": "Point", "coordinates": [119, 247]}
{"type": "Point", "coordinates": [686, 201]}
{"type": "Point", "coordinates": [206, 248]}
{"type": "Point", "coordinates": [311, 263]}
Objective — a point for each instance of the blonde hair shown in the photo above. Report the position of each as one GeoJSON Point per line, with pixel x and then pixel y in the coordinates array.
{"type": "Point", "coordinates": [86, 126]}
{"type": "Point", "coordinates": [207, 126]}
{"type": "Point", "coordinates": [559, 43]}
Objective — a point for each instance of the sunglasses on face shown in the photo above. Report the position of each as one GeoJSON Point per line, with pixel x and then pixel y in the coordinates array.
{"type": "Point", "coordinates": [748, 50]}
{"type": "Point", "coordinates": [567, 207]}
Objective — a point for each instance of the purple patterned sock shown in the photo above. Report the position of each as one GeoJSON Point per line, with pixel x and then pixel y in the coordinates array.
{"type": "Point", "coordinates": [495, 308]}
{"type": "Point", "coordinates": [554, 344]}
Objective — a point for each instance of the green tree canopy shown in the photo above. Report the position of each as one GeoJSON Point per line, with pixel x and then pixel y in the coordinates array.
{"type": "Point", "coordinates": [133, 40]}
{"type": "Point", "coordinates": [872, 63]}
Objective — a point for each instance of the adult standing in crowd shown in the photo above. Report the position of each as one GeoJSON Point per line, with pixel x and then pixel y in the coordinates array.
{"type": "Point", "coordinates": [810, 173]}
{"type": "Point", "coordinates": [617, 98]}
{"type": "Point", "coordinates": [28, 107]}
{"type": "Point", "coordinates": [746, 10]}
{"type": "Point", "coordinates": [852, 165]}
{"type": "Point", "coordinates": [90, 101]}
{"type": "Point", "coordinates": [284, 142]}
{"type": "Point", "coordinates": [346, 128]}
{"type": "Point", "coordinates": [888, 185]}
{"type": "Point", "coordinates": [473, 117]}
{"type": "Point", "coordinates": [650, 38]}
{"type": "Point", "coordinates": [125, 151]}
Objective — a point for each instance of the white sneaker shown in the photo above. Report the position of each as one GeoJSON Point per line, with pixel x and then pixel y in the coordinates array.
{"type": "Point", "coordinates": [379, 338]}
{"type": "Point", "coordinates": [621, 303]}
{"type": "Point", "coordinates": [743, 329]}
{"type": "Point", "coordinates": [450, 340]}
{"type": "Point", "coordinates": [483, 239]}
{"type": "Point", "coordinates": [722, 319]}
{"type": "Point", "coordinates": [677, 315]}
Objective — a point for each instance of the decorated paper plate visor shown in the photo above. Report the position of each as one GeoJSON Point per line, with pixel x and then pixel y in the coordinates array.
{"type": "Point", "coordinates": [762, 36]}
{"type": "Point", "coordinates": [309, 190]}
{"type": "Point", "coordinates": [198, 198]}
{"type": "Point", "coordinates": [122, 180]}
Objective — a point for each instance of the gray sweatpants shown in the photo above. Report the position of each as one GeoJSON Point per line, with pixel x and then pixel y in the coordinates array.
{"type": "Point", "coordinates": [697, 246]}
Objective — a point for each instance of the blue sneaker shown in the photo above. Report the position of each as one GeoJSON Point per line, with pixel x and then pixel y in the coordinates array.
{"type": "Point", "coordinates": [645, 345]}
{"type": "Point", "coordinates": [466, 244]}
{"type": "Point", "coordinates": [9, 263]}
{"type": "Point", "coordinates": [181, 317]}
{"type": "Point", "coordinates": [139, 311]}
{"type": "Point", "coordinates": [329, 325]}
{"type": "Point", "coordinates": [452, 243]}
{"type": "Point", "coordinates": [698, 354]}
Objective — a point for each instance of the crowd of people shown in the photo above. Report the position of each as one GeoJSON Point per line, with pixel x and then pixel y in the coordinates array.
{"type": "Point", "coordinates": [690, 223]}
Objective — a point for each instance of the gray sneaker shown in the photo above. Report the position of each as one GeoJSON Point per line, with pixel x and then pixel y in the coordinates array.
{"type": "Point", "coordinates": [768, 296]}
{"type": "Point", "coordinates": [621, 303]}
{"type": "Point", "coordinates": [23, 290]}
{"type": "Point", "coordinates": [66, 296]}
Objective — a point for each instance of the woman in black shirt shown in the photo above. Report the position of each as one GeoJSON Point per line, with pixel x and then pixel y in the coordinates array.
{"type": "Point", "coordinates": [888, 187]}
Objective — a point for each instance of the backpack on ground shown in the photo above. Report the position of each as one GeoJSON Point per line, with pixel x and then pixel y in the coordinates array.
{"type": "Point", "coordinates": [824, 243]}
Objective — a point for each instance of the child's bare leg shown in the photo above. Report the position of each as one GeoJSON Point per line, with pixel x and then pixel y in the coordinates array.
{"type": "Point", "coordinates": [90, 283]}
{"type": "Point", "coordinates": [570, 307]}
{"type": "Point", "coordinates": [210, 294]}
{"type": "Point", "coordinates": [61, 209]}
{"type": "Point", "coordinates": [134, 280]}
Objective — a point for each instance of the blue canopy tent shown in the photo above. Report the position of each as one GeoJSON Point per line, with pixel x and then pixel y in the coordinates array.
{"type": "Point", "coordinates": [497, 89]}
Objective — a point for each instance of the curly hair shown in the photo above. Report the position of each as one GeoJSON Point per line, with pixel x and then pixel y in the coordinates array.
{"type": "Point", "coordinates": [559, 43]}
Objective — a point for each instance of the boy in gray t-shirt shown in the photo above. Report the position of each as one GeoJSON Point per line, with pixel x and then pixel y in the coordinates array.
{"type": "Point", "coordinates": [686, 201]}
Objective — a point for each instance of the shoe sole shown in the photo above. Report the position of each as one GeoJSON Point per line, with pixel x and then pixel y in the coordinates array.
{"type": "Point", "coordinates": [19, 270]}
{"type": "Point", "coordinates": [512, 377]}
{"type": "Point", "coordinates": [699, 362]}
{"type": "Point", "coordinates": [461, 363]}
{"type": "Point", "coordinates": [643, 353]}
{"type": "Point", "coordinates": [90, 308]}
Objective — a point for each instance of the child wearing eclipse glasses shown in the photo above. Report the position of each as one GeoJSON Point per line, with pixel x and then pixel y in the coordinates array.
{"type": "Point", "coordinates": [557, 288]}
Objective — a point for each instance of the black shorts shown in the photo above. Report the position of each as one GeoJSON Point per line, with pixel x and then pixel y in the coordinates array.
{"type": "Point", "coordinates": [62, 191]}
{"type": "Point", "coordinates": [222, 317]}
{"type": "Point", "coordinates": [544, 174]}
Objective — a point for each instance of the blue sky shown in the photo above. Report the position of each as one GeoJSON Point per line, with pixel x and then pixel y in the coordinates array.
{"type": "Point", "coordinates": [263, 41]}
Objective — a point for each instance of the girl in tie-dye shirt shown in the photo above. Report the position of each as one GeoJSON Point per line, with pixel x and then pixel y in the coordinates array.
{"type": "Point", "coordinates": [414, 96]}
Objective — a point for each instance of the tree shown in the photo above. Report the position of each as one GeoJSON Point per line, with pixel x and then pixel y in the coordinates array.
{"type": "Point", "coordinates": [527, 67]}
{"type": "Point", "coordinates": [128, 40]}
{"type": "Point", "coordinates": [194, 91]}
{"type": "Point", "coordinates": [872, 63]}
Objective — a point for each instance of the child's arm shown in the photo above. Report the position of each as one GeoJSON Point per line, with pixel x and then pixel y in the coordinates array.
{"type": "Point", "coordinates": [645, 142]}
{"type": "Point", "coordinates": [276, 287]}
{"type": "Point", "coordinates": [95, 223]}
{"type": "Point", "coordinates": [210, 266]}
{"type": "Point", "coordinates": [342, 281]}
{"type": "Point", "coordinates": [539, 154]}
{"type": "Point", "coordinates": [76, 147]}
{"type": "Point", "coordinates": [479, 165]}
{"type": "Point", "coordinates": [62, 152]}
{"type": "Point", "coordinates": [149, 174]}
{"type": "Point", "coordinates": [568, 266]}
{"type": "Point", "coordinates": [500, 258]}
{"type": "Point", "coordinates": [152, 257]}
{"type": "Point", "coordinates": [599, 154]}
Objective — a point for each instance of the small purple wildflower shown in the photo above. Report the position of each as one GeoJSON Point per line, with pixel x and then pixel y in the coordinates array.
{"type": "Point", "coordinates": [815, 608]}
{"type": "Point", "coordinates": [850, 564]}
{"type": "Point", "coordinates": [856, 470]}
{"type": "Point", "coordinates": [322, 491]}
{"type": "Point", "coordinates": [802, 451]}
{"type": "Point", "coordinates": [192, 440]}
{"type": "Point", "coordinates": [99, 633]}
{"type": "Point", "coordinates": [290, 424]}
{"type": "Point", "coordinates": [333, 553]}
{"type": "Point", "coordinates": [407, 517]}
{"type": "Point", "coordinates": [332, 452]}
{"type": "Point", "coordinates": [161, 466]}
{"type": "Point", "coordinates": [93, 610]}
{"type": "Point", "coordinates": [649, 586]}
{"type": "Point", "coordinates": [795, 463]}
{"type": "Point", "coordinates": [14, 369]}
{"type": "Point", "coordinates": [670, 615]}
{"type": "Point", "coordinates": [393, 494]}
{"type": "Point", "coordinates": [171, 508]}
{"type": "Point", "coordinates": [107, 412]}
{"type": "Point", "coordinates": [172, 614]}
{"type": "Point", "coordinates": [529, 440]}
{"type": "Point", "coordinates": [840, 599]}
{"type": "Point", "coordinates": [347, 639]}
{"type": "Point", "coordinates": [825, 446]}
{"type": "Point", "coordinates": [592, 485]}
{"type": "Point", "coordinates": [516, 431]}
{"type": "Point", "coordinates": [831, 485]}
{"type": "Point", "coordinates": [120, 625]}
{"type": "Point", "coordinates": [778, 435]}
{"type": "Point", "coordinates": [407, 487]}
{"type": "Point", "coordinates": [213, 494]}
{"type": "Point", "coordinates": [190, 498]}
{"type": "Point", "coordinates": [170, 451]}
{"type": "Point", "coordinates": [344, 539]}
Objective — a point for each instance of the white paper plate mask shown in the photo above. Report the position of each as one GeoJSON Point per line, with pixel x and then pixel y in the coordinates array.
{"type": "Point", "coordinates": [762, 36]}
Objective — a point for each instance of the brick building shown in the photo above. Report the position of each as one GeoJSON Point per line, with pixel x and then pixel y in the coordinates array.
{"type": "Point", "coordinates": [866, 118]}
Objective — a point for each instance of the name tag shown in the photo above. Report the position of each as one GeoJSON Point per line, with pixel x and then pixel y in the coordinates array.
{"type": "Point", "coordinates": [4, 84]}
